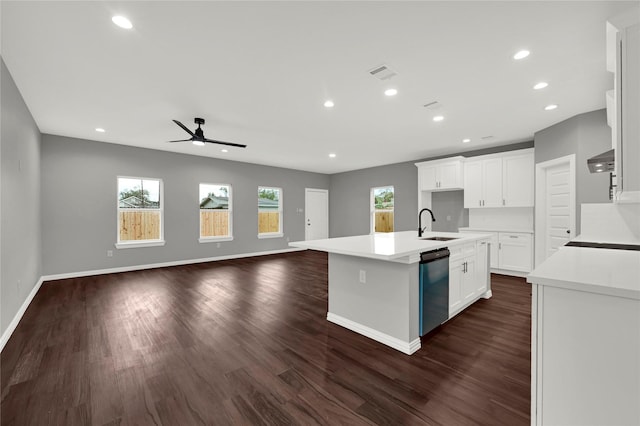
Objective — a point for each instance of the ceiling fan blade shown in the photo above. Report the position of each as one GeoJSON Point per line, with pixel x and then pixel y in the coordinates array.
{"type": "Point", "coordinates": [181, 140]}
{"type": "Point", "coordinates": [225, 143]}
{"type": "Point", "coordinates": [185, 128]}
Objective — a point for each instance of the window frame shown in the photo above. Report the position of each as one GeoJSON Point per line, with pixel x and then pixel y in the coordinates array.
{"type": "Point", "coordinates": [127, 244]}
{"type": "Point", "coordinates": [372, 209]}
{"type": "Point", "coordinates": [215, 239]}
{"type": "Point", "coordinates": [280, 233]}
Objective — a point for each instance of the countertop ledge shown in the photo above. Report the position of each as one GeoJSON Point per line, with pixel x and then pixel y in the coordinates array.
{"type": "Point", "coordinates": [603, 271]}
{"type": "Point", "coordinates": [474, 229]}
{"type": "Point", "coordinates": [402, 247]}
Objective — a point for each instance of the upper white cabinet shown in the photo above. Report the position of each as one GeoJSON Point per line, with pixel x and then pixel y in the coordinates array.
{"type": "Point", "coordinates": [440, 175]}
{"type": "Point", "coordinates": [623, 59]}
{"type": "Point", "coordinates": [499, 180]}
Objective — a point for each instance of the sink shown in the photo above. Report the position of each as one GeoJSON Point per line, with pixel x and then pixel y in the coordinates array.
{"type": "Point", "coordinates": [440, 238]}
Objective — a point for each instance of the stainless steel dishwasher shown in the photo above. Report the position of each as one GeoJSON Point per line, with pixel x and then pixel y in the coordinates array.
{"type": "Point", "coordinates": [434, 289]}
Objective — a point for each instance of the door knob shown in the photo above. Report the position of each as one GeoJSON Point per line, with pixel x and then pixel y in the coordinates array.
{"type": "Point", "coordinates": [568, 231]}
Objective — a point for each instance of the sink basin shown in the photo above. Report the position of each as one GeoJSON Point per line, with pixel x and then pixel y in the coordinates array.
{"type": "Point", "coordinates": [439, 238]}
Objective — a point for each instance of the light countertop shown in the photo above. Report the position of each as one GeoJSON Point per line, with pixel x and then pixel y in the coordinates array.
{"type": "Point", "coordinates": [603, 271]}
{"type": "Point", "coordinates": [403, 247]}
{"type": "Point", "coordinates": [489, 229]}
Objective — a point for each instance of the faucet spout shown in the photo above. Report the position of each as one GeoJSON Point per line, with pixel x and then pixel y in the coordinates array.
{"type": "Point", "coordinates": [420, 228]}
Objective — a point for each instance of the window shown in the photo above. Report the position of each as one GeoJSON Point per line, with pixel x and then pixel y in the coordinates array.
{"type": "Point", "coordinates": [382, 209]}
{"type": "Point", "coordinates": [269, 212]}
{"type": "Point", "coordinates": [139, 212]}
{"type": "Point", "coordinates": [215, 212]}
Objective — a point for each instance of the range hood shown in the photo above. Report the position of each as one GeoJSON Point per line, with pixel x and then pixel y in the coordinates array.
{"type": "Point", "coordinates": [602, 162]}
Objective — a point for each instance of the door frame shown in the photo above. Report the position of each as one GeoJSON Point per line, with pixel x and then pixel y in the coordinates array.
{"type": "Point", "coordinates": [306, 209]}
{"type": "Point", "coordinates": [541, 202]}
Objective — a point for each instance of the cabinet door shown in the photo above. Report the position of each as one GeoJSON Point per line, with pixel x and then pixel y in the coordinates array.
{"type": "Point", "coordinates": [428, 178]}
{"type": "Point", "coordinates": [515, 252]}
{"type": "Point", "coordinates": [472, 184]}
{"type": "Point", "coordinates": [469, 279]}
{"type": "Point", "coordinates": [517, 180]}
{"type": "Point", "coordinates": [448, 175]}
{"type": "Point", "coordinates": [455, 279]}
{"type": "Point", "coordinates": [482, 268]}
{"type": "Point", "coordinates": [492, 182]}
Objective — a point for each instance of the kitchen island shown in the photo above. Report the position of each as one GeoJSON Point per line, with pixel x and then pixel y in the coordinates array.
{"type": "Point", "coordinates": [374, 281]}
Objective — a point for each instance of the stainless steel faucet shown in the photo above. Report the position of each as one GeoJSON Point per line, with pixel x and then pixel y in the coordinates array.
{"type": "Point", "coordinates": [420, 228]}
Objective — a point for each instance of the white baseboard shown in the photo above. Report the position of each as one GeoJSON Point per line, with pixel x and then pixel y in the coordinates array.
{"type": "Point", "coordinates": [397, 344]}
{"type": "Point", "coordinates": [163, 264]}
{"type": "Point", "coordinates": [16, 319]}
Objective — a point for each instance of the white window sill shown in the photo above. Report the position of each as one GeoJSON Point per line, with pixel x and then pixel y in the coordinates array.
{"type": "Point", "coordinates": [214, 239]}
{"type": "Point", "coordinates": [273, 235]}
{"type": "Point", "coordinates": [155, 243]}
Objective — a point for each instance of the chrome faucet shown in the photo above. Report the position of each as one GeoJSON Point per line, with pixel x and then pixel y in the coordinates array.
{"type": "Point", "coordinates": [420, 228]}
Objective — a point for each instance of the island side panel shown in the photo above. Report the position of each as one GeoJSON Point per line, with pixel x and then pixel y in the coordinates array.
{"type": "Point", "coordinates": [387, 302]}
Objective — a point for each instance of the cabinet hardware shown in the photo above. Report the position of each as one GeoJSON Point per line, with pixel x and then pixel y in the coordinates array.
{"type": "Point", "coordinates": [513, 236]}
{"type": "Point", "coordinates": [499, 246]}
{"type": "Point", "coordinates": [480, 202]}
{"type": "Point", "coordinates": [503, 202]}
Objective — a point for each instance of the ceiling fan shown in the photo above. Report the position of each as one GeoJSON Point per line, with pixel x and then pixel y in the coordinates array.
{"type": "Point", "coordinates": [198, 138]}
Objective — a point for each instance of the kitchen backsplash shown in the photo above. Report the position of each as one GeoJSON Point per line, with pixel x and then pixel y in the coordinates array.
{"type": "Point", "coordinates": [502, 218]}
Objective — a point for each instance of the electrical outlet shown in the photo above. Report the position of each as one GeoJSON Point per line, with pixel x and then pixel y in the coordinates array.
{"type": "Point", "coordinates": [288, 239]}
{"type": "Point", "coordinates": [109, 253]}
{"type": "Point", "coordinates": [363, 276]}
{"type": "Point", "coordinates": [448, 218]}
{"type": "Point", "coordinates": [18, 284]}
{"type": "Point", "coordinates": [218, 245]}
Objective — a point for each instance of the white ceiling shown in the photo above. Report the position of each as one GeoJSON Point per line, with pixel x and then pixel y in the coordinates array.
{"type": "Point", "coordinates": [259, 73]}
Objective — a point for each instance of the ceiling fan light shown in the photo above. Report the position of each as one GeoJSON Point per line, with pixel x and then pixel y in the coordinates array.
{"type": "Point", "coordinates": [198, 143]}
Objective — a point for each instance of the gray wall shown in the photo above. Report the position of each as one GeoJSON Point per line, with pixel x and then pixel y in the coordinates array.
{"type": "Point", "coordinates": [349, 198]}
{"type": "Point", "coordinates": [20, 258]}
{"type": "Point", "coordinates": [584, 135]}
{"type": "Point", "coordinates": [448, 208]}
{"type": "Point", "coordinates": [79, 199]}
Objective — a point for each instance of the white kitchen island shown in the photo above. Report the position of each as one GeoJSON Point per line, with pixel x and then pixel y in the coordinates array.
{"type": "Point", "coordinates": [374, 281]}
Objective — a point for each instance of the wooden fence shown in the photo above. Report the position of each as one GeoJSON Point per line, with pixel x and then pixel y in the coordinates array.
{"type": "Point", "coordinates": [214, 223]}
{"type": "Point", "coordinates": [139, 225]}
{"type": "Point", "coordinates": [384, 221]}
{"type": "Point", "coordinates": [268, 222]}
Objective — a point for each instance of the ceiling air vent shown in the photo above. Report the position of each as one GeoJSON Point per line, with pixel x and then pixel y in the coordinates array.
{"type": "Point", "coordinates": [383, 72]}
{"type": "Point", "coordinates": [433, 105]}
{"type": "Point", "coordinates": [486, 138]}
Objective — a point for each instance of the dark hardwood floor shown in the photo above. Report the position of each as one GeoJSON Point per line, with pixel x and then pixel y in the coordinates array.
{"type": "Point", "coordinates": [247, 342]}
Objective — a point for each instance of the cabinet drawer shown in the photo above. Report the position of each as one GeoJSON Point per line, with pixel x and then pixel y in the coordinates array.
{"type": "Point", "coordinates": [514, 237]}
{"type": "Point", "coordinates": [461, 251]}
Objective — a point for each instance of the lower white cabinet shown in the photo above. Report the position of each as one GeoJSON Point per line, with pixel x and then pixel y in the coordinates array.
{"type": "Point", "coordinates": [468, 275]}
{"type": "Point", "coordinates": [510, 253]}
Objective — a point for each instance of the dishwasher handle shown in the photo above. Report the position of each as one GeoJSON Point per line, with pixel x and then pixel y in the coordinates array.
{"type": "Point", "coordinates": [430, 256]}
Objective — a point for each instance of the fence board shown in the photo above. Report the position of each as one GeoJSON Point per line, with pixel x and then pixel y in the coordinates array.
{"type": "Point", "coordinates": [214, 223]}
{"type": "Point", "coordinates": [384, 221]}
{"type": "Point", "coordinates": [268, 222]}
{"type": "Point", "coordinates": [139, 225]}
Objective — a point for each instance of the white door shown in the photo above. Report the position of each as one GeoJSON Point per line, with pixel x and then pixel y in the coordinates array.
{"type": "Point", "coordinates": [316, 206]}
{"type": "Point", "coordinates": [555, 205]}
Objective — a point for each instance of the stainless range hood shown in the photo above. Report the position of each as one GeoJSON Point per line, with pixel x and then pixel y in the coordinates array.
{"type": "Point", "coordinates": [604, 162]}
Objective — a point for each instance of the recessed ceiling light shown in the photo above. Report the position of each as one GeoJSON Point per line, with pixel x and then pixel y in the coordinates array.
{"type": "Point", "coordinates": [551, 107]}
{"type": "Point", "coordinates": [332, 155]}
{"type": "Point", "coordinates": [198, 143]}
{"type": "Point", "coordinates": [100, 129]}
{"type": "Point", "coordinates": [540, 85]}
{"type": "Point", "coordinates": [391, 92]}
{"type": "Point", "coordinates": [329, 104]}
{"type": "Point", "coordinates": [521, 54]}
{"type": "Point", "coordinates": [438, 118]}
{"type": "Point", "coordinates": [224, 150]}
{"type": "Point", "coordinates": [122, 22]}
{"type": "Point", "coordinates": [466, 140]}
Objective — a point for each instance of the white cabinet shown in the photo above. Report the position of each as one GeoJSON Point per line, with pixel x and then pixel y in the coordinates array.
{"type": "Point", "coordinates": [468, 275]}
{"type": "Point", "coordinates": [510, 253]}
{"type": "Point", "coordinates": [499, 180]}
{"type": "Point", "coordinates": [623, 57]}
{"type": "Point", "coordinates": [515, 251]}
{"type": "Point", "coordinates": [440, 175]}
{"type": "Point", "coordinates": [517, 180]}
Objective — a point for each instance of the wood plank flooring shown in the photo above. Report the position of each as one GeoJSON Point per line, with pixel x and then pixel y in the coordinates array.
{"type": "Point", "coordinates": [247, 342]}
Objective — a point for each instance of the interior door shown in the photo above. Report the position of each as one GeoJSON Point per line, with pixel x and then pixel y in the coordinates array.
{"type": "Point", "coordinates": [558, 208]}
{"type": "Point", "coordinates": [317, 214]}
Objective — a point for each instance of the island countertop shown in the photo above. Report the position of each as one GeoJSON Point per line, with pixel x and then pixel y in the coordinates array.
{"type": "Point", "coordinates": [403, 247]}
